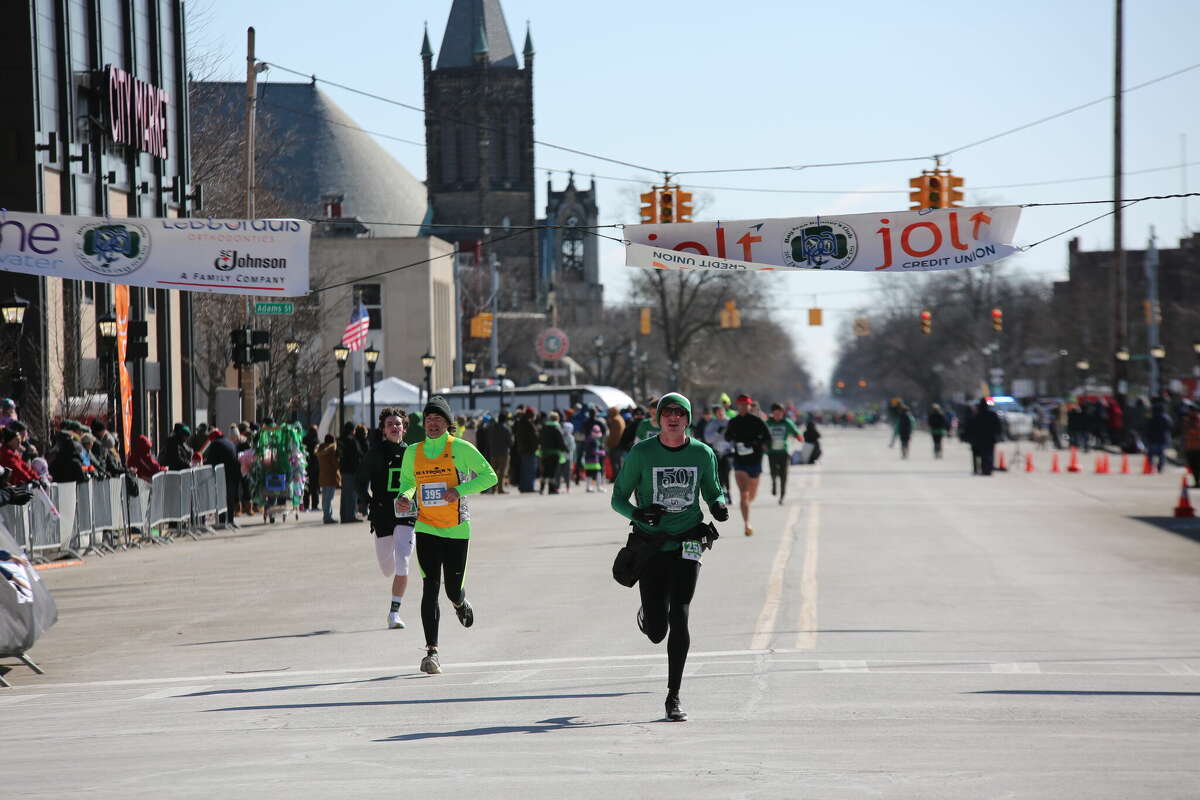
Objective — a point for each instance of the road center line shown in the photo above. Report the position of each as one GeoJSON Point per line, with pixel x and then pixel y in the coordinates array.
{"type": "Point", "coordinates": [807, 638]}
{"type": "Point", "coordinates": [764, 629]}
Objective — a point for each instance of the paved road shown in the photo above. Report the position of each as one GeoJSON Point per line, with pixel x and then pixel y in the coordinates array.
{"type": "Point", "coordinates": [895, 629]}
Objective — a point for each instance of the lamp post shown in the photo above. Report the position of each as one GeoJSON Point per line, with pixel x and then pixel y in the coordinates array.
{"type": "Point", "coordinates": [1083, 366]}
{"type": "Point", "coordinates": [371, 355]}
{"type": "Point", "coordinates": [427, 362]}
{"type": "Point", "coordinates": [1158, 355]}
{"type": "Point", "coordinates": [13, 310]}
{"type": "Point", "coordinates": [501, 371]}
{"type": "Point", "coordinates": [598, 343]}
{"type": "Point", "coordinates": [469, 367]}
{"type": "Point", "coordinates": [292, 346]}
{"type": "Point", "coordinates": [1196, 350]}
{"type": "Point", "coordinates": [340, 354]}
{"type": "Point", "coordinates": [108, 347]}
{"type": "Point", "coordinates": [543, 378]}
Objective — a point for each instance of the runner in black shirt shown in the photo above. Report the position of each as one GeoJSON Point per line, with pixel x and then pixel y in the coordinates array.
{"type": "Point", "coordinates": [750, 438]}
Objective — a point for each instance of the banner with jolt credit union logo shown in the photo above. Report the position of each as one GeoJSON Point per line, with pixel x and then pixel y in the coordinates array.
{"type": "Point", "coordinates": [894, 241]}
{"type": "Point", "coordinates": [265, 257]}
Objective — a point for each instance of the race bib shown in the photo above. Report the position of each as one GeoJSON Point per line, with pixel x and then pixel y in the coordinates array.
{"type": "Point", "coordinates": [778, 441]}
{"type": "Point", "coordinates": [433, 494]}
{"type": "Point", "coordinates": [690, 550]}
{"type": "Point", "coordinates": [743, 449]}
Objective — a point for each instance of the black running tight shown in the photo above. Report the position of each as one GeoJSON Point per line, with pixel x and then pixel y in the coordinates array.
{"type": "Point", "coordinates": [779, 469]}
{"type": "Point", "coordinates": [438, 556]}
{"type": "Point", "coordinates": [667, 586]}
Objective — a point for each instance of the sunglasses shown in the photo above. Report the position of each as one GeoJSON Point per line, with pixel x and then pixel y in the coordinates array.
{"type": "Point", "coordinates": [672, 411]}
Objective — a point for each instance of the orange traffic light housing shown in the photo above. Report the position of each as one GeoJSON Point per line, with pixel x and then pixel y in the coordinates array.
{"type": "Point", "coordinates": [666, 205]}
{"type": "Point", "coordinates": [938, 188]}
{"type": "Point", "coordinates": [644, 326]}
{"type": "Point", "coordinates": [926, 322]}
{"type": "Point", "coordinates": [919, 196]}
{"type": "Point", "coordinates": [649, 209]}
{"type": "Point", "coordinates": [683, 206]}
{"type": "Point", "coordinates": [954, 195]}
{"type": "Point", "coordinates": [997, 320]}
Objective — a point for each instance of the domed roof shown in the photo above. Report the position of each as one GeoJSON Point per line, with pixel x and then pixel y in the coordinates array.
{"type": "Point", "coordinates": [319, 151]}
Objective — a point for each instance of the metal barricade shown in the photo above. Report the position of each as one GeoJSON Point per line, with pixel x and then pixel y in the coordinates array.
{"type": "Point", "coordinates": [104, 518]}
{"type": "Point", "coordinates": [17, 520]}
{"type": "Point", "coordinates": [49, 536]}
{"type": "Point", "coordinates": [81, 537]}
{"type": "Point", "coordinates": [220, 495]}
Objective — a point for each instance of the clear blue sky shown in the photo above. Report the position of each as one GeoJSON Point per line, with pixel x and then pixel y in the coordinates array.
{"type": "Point", "coordinates": [710, 85]}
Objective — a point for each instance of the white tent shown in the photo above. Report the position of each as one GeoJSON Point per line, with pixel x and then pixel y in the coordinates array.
{"type": "Point", "coordinates": [388, 392]}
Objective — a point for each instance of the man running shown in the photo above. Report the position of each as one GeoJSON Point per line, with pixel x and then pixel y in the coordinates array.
{"type": "Point", "coordinates": [648, 427]}
{"type": "Point", "coordinates": [379, 476]}
{"type": "Point", "coordinates": [669, 473]}
{"type": "Point", "coordinates": [750, 438]}
{"type": "Point", "coordinates": [781, 429]}
{"type": "Point", "coordinates": [438, 472]}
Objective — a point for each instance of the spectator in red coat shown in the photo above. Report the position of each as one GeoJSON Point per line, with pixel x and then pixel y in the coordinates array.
{"type": "Point", "coordinates": [142, 462]}
{"type": "Point", "coordinates": [10, 456]}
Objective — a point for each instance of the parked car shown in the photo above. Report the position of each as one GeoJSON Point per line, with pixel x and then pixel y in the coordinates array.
{"type": "Point", "coordinates": [1018, 423]}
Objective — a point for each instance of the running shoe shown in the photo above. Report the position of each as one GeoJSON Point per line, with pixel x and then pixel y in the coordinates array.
{"type": "Point", "coordinates": [674, 712]}
{"type": "Point", "coordinates": [466, 614]}
{"type": "Point", "coordinates": [394, 620]}
{"type": "Point", "coordinates": [430, 664]}
{"type": "Point", "coordinates": [749, 531]}
{"type": "Point", "coordinates": [641, 619]}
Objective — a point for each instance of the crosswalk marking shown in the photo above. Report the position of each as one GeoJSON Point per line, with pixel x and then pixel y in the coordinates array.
{"type": "Point", "coordinates": [13, 699]}
{"type": "Point", "coordinates": [173, 691]}
{"type": "Point", "coordinates": [1016, 668]}
{"type": "Point", "coordinates": [843, 666]}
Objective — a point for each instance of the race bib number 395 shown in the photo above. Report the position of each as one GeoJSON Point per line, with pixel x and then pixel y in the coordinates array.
{"type": "Point", "coordinates": [433, 494]}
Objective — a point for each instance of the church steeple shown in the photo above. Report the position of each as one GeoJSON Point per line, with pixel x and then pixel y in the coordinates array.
{"type": "Point", "coordinates": [426, 50]}
{"type": "Point", "coordinates": [528, 52]}
{"type": "Point", "coordinates": [472, 24]}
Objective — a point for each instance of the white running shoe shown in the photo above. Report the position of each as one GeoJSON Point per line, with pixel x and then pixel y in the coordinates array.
{"type": "Point", "coordinates": [394, 620]}
{"type": "Point", "coordinates": [430, 664]}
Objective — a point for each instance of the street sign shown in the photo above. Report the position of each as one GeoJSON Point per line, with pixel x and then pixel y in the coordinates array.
{"type": "Point", "coordinates": [274, 308]}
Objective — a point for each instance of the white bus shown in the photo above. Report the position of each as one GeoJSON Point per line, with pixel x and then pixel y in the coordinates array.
{"type": "Point", "coordinates": [540, 396]}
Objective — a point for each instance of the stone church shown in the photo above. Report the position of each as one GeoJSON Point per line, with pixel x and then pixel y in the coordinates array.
{"type": "Point", "coordinates": [480, 170]}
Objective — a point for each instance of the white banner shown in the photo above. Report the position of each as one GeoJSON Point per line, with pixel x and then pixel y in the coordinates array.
{"type": "Point", "coordinates": [267, 257]}
{"type": "Point", "coordinates": [898, 241]}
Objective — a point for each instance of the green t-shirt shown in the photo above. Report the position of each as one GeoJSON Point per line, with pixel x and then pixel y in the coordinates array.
{"type": "Point", "coordinates": [646, 429]}
{"type": "Point", "coordinates": [675, 478]}
{"type": "Point", "coordinates": [781, 431]}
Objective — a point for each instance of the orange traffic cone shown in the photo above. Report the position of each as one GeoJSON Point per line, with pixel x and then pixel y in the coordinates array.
{"type": "Point", "coordinates": [1125, 463]}
{"type": "Point", "coordinates": [1184, 509]}
{"type": "Point", "coordinates": [1074, 465]}
{"type": "Point", "coordinates": [1054, 464]}
{"type": "Point", "coordinates": [1147, 468]}
{"type": "Point", "coordinates": [1003, 465]}
{"type": "Point", "coordinates": [1029, 462]}
{"type": "Point", "coordinates": [1104, 466]}
{"type": "Point", "coordinates": [1099, 464]}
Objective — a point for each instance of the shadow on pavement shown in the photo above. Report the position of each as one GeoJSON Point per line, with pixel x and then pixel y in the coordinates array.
{"type": "Point", "coordinates": [430, 701]}
{"type": "Point", "coordinates": [1088, 693]}
{"type": "Point", "coordinates": [1187, 528]}
{"type": "Point", "coordinates": [541, 726]}
{"type": "Point", "coordinates": [290, 687]}
{"type": "Point", "coordinates": [259, 638]}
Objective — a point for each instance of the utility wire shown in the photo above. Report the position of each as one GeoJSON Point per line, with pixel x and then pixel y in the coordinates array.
{"type": "Point", "coordinates": [418, 109]}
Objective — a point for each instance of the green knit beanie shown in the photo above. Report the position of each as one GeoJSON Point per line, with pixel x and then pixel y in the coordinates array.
{"type": "Point", "coordinates": [675, 398]}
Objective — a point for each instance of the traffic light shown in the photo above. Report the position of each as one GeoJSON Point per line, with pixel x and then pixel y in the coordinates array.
{"type": "Point", "coordinates": [730, 316]}
{"type": "Point", "coordinates": [997, 320]}
{"type": "Point", "coordinates": [683, 206]}
{"type": "Point", "coordinates": [666, 205]}
{"type": "Point", "coordinates": [839, 387]}
{"type": "Point", "coordinates": [934, 192]}
{"type": "Point", "coordinates": [919, 196]}
{"type": "Point", "coordinates": [481, 325]}
{"type": "Point", "coordinates": [644, 328]}
{"type": "Point", "coordinates": [649, 208]}
{"type": "Point", "coordinates": [814, 316]}
{"type": "Point", "coordinates": [926, 322]}
{"type": "Point", "coordinates": [862, 384]}
{"type": "Point", "coordinates": [954, 193]}
{"type": "Point", "coordinates": [239, 340]}
{"type": "Point", "coordinates": [260, 346]}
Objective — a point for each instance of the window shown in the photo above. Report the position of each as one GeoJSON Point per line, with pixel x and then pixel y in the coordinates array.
{"type": "Point", "coordinates": [371, 296]}
{"type": "Point", "coordinates": [572, 246]}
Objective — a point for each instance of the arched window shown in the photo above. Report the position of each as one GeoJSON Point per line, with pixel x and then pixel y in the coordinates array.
{"type": "Point", "coordinates": [572, 247]}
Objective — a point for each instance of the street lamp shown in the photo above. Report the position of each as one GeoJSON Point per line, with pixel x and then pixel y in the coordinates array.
{"type": "Point", "coordinates": [1083, 366]}
{"type": "Point", "coordinates": [292, 347]}
{"type": "Point", "coordinates": [340, 354]}
{"type": "Point", "coordinates": [543, 378]}
{"type": "Point", "coordinates": [108, 346]}
{"type": "Point", "coordinates": [469, 367]}
{"type": "Point", "coordinates": [598, 343]}
{"type": "Point", "coordinates": [1123, 354]}
{"type": "Point", "coordinates": [1158, 351]}
{"type": "Point", "coordinates": [371, 355]}
{"type": "Point", "coordinates": [14, 317]}
{"type": "Point", "coordinates": [427, 362]}
{"type": "Point", "coordinates": [501, 371]}
{"type": "Point", "coordinates": [1196, 350]}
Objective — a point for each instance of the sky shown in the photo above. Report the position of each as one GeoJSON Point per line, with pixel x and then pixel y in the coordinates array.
{"type": "Point", "coordinates": [708, 85]}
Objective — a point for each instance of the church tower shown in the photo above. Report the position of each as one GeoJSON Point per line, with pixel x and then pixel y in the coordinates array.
{"type": "Point", "coordinates": [479, 144]}
{"type": "Point", "coordinates": [570, 254]}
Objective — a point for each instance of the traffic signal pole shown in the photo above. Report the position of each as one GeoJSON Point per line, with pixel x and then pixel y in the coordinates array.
{"type": "Point", "coordinates": [1120, 313]}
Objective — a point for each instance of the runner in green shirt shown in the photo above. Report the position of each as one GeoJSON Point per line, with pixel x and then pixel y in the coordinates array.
{"type": "Point", "coordinates": [668, 475]}
{"type": "Point", "coordinates": [781, 429]}
{"type": "Point", "coordinates": [648, 427]}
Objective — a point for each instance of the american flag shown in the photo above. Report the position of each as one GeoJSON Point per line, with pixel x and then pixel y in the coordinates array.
{"type": "Point", "coordinates": [356, 332]}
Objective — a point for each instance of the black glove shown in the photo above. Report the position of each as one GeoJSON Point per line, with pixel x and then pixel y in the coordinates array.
{"type": "Point", "coordinates": [719, 511]}
{"type": "Point", "coordinates": [16, 496]}
{"type": "Point", "coordinates": [650, 515]}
